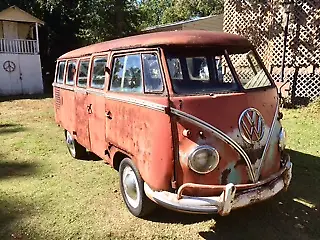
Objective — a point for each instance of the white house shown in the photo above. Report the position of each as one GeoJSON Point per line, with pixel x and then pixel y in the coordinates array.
{"type": "Point", "coordinates": [20, 66]}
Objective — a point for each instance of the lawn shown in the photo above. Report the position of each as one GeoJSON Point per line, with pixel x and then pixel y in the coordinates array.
{"type": "Point", "coordinates": [45, 194]}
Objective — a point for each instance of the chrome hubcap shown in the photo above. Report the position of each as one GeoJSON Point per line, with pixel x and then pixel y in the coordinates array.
{"type": "Point", "coordinates": [70, 143]}
{"type": "Point", "coordinates": [131, 186]}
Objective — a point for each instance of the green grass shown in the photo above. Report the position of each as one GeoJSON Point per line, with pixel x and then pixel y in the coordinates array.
{"type": "Point", "coordinates": [45, 194]}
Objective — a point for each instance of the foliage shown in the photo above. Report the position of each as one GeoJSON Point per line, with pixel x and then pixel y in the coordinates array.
{"type": "Point", "coordinates": [167, 11]}
{"type": "Point", "coordinates": [70, 24]}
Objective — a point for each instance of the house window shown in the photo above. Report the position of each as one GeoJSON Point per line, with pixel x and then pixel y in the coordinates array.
{"type": "Point", "coordinates": [71, 72]}
{"type": "Point", "coordinates": [83, 73]}
{"type": "Point", "coordinates": [98, 74]}
{"type": "Point", "coordinates": [60, 72]}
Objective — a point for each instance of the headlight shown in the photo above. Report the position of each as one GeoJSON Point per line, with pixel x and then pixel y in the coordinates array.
{"type": "Point", "coordinates": [282, 139]}
{"type": "Point", "coordinates": [203, 159]}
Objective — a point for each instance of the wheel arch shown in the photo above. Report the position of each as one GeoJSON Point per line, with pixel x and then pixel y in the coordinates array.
{"type": "Point", "coordinates": [117, 158]}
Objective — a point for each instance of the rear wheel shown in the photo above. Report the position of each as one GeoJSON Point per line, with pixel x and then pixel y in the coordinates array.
{"type": "Point", "coordinates": [75, 149]}
{"type": "Point", "coordinates": [132, 190]}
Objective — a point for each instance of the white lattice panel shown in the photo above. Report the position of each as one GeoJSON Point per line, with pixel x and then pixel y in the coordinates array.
{"type": "Point", "coordinates": [263, 24]}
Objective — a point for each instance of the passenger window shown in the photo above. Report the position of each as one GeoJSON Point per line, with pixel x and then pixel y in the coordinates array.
{"type": "Point", "coordinates": [98, 74]}
{"type": "Point", "coordinates": [126, 74]}
{"type": "Point", "coordinates": [117, 74]}
{"type": "Point", "coordinates": [71, 72]}
{"type": "Point", "coordinates": [175, 68]}
{"type": "Point", "coordinates": [151, 73]}
{"type": "Point", "coordinates": [83, 73]}
{"type": "Point", "coordinates": [198, 69]}
{"type": "Point", "coordinates": [60, 73]}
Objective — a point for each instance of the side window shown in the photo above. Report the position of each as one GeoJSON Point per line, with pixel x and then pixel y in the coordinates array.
{"type": "Point", "coordinates": [151, 73]}
{"type": "Point", "coordinates": [83, 73]}
{"type": "Point", "coordinates": [117, 74]}
{"type": "Point", "coordinates": [175, 68]}
{"type": "Point", "coordinates": [224, 74]}
{"type": "Point", "coordinates": [71, 72]}
{"type": "Point", "coordinates": [98, 73]}
{"type": "Point", "coordinates": [126, 74]}
{"type": "Point", "coordinates": [198, 69]}
{"type": "Point", "coordinates": [60, 72]}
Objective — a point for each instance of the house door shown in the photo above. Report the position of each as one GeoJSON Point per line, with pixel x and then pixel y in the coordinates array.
{"type": "Point", "coordinates": [10, 76]}
{"type": "Point", "coordinates": [10, 30]}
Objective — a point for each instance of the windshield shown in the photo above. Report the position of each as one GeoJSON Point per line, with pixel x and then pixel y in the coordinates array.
{"type": "Point", "coordinates": [206, 74]}
{"type": "Point", "coordinates": [249, 70]}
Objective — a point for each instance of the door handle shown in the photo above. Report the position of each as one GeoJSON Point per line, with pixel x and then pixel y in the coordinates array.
{"type": "Point", "coordinates": [109, 115]}
{"type": "Point", "coordinates": [89, 108]}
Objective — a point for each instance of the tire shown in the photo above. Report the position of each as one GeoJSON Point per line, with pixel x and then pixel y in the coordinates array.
{"type": "Point", "coordinates": [136, 200]}
{"type": "Point", "coordinates": [76, 150]}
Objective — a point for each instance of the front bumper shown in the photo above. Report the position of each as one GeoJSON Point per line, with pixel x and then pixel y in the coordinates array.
{"type": "Point", "coordinates": [232, 196]}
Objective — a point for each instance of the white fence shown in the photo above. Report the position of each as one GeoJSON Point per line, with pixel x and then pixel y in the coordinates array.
{"type": "Point", "coordinates": [20, 46]}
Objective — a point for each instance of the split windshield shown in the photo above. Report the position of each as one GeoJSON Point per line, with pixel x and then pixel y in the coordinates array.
{"type": "Point", "coordinates": [205, 74]}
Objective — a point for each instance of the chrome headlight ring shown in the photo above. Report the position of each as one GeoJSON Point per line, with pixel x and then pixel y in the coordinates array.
{"type": "Point", "coordinates": [203, 159]}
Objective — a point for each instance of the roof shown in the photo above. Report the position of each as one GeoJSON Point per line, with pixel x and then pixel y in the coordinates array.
{"type": "Point", "coordinates": [16, 14]}
{"type": "Point", "coordinates": [176, 24]}
{"type": "Point", "coordinates": [189, 38]}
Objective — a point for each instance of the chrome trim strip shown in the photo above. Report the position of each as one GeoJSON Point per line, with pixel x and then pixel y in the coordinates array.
{"type": "Point", "coordinates": [63, 86]}
{"type": "Point", "coordinates": [258, 172]}
{"type": "Point", "coordinates": [80, 90]}
{"type": "Point", "coordinates": [95, 92]}
{"type": "Point", "coordinates": [138, 102]}
{"type": "Point", "coordinates": [134, 101]}
{"type": "Point", "coordinates": [220, 135]}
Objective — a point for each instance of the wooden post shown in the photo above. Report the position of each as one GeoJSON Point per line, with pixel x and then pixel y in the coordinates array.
{"type": "Point", "coordinates": [37, 36]}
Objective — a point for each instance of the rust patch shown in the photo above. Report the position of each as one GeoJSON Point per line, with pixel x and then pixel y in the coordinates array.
{"type": "Point", "coordinates": [254, 154]}
{"type": "Point", "coordinates": [240, 162]}
{"type": "Point", "coordinates": [225, 175]}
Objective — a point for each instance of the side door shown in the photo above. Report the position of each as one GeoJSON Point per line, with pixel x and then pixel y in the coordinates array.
{"type": "Point", "coordinates": [136, 118]}
{"type": "Point", "coordinates": [96, 105]}
{"type": "Point", "coordinates": [81, 103]}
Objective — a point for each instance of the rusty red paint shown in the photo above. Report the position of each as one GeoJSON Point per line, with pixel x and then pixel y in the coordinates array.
{"type": "Point", "coordinates": [159, 142]}
{"type": "Point", "coordinates": [191, 38]}
{"type": "Point", "coordinates": [221, 117]}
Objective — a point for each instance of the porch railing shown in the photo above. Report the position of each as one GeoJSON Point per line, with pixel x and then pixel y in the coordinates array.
{"type": "Point", "coordinates": [18, 46]}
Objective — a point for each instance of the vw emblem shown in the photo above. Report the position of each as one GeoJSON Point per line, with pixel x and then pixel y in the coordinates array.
{"type": "Point", "coordinates": [251, 125]}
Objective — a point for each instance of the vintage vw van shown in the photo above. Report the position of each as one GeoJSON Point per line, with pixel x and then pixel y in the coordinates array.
{"type": "Point", "coordinates": [190, 119]}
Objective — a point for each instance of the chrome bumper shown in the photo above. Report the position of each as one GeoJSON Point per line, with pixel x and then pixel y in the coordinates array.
{"type": "Point", "coordinates": [229, 199]}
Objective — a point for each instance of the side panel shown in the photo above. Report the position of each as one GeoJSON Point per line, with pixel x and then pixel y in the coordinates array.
{"type": "Point", "coordinates": [145, 134]}
{"type": "Point", "coordinates": [67, 110]}
{"type": "Point", "coordinates": [82, 118]}
{"type": "Point", "coordinates": [97, 122]}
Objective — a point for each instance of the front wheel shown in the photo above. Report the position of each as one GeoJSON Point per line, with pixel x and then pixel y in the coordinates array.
{"type": "Point", "coordinates": [75, 149]}
{"type": "Point", "coordinates": [132, 190]}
